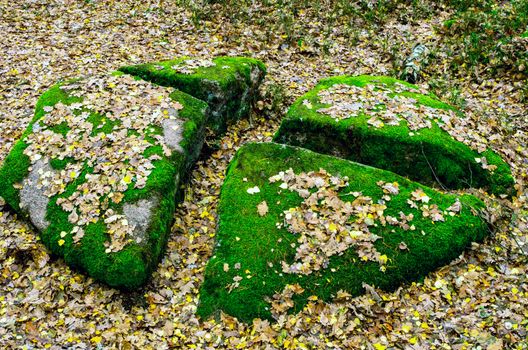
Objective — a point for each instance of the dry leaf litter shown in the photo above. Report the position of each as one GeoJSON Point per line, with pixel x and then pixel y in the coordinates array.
{"type": "Point", "coordinates": [479, 301]}
{"type": "Point", "coordinates": [327, 225]}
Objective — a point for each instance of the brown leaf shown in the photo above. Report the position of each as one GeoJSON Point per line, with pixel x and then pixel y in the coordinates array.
{"type": "Point", "coordinates": [262, 208]}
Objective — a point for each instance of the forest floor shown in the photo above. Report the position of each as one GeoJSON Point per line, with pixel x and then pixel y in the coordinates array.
{"type": "Point", "coordinates": [480, 301]}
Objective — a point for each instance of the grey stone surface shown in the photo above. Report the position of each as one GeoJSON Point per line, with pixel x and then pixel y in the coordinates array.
{"type": "Point", "coordinates": [139, 216]}
{"type": "Point", "coordinates": [216, 98]}
{"type": "Point", "coordinates": [32, 195]}
{"type": "Point", "coordinates": [256, 75]}
{"type": "Point", "coordinates": [173, 133]}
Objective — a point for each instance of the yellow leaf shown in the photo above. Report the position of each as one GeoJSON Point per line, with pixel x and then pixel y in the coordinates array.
{"type": "Point", "coordinates": [61, 242]}
{"type": "Point", "coordinates": [378, 346]}
{"type": "Point", "coordinates": [96, 339]}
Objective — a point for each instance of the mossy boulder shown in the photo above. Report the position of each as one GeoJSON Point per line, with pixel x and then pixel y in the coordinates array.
{"type": "Point", "coordinates": [393, 125]}
{"type": "Point", "coordinates": [312, 225]}
{"type": "Point", "coordinates": [227, 84]}
{"type": "Point", "coordinates": [98, 171]}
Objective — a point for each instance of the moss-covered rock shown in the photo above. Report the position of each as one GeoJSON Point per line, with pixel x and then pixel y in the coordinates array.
{"type": "Point", "coordinates": [393, 125]}
{"type": "Point", "coordinates": [294, 221]}
{"type": "Point", "coordinates": [227, 84]}
{"type": "Point", "coordinates": [98, 169]}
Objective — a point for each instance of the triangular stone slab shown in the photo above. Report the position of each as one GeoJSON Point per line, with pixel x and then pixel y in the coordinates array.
{"type": "Point", "coordinates": [393, 125]}
{"type": "Point", "coordinates": [309, 224]}
{"type": "Point", "coordinates": [98, 169]}
{"type": "Point", "coordinates": [227, 84]}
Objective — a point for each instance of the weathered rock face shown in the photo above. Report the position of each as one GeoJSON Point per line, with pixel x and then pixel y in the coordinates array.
{"type": "Point", "coordinates": [227, 84]}
{"type": "Point", "coordinates": [393, 125]}
{"type": "Point", "coordinates": [98, 169]}
{"type": "Point", "coordinates": [303, 223]}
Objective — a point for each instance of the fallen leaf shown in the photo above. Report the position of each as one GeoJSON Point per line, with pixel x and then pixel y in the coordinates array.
{"type": "Point", "coordinates": [262, 208]}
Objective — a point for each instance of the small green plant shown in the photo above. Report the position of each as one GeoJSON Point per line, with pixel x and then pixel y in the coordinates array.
{"type": "Point", "coordinates": [488, 33]}
{"type": "Point", "coordinates": [274, 99]}
{"type": "Point", "coordinates": [455, 98]}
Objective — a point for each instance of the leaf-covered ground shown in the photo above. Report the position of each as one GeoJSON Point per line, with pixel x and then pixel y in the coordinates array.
{"type": "Point", "coordinates": [481, 300]}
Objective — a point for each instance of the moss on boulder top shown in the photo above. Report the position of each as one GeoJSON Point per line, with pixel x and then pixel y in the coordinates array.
{"type": "Point", "coordinates": [227, 84]}
{"type": "Point", "coordinates": [98, 169]}
{"type": "Point", "coordinates": [304, 224]}
{"type": "Point", "coordinates": [393, 125]}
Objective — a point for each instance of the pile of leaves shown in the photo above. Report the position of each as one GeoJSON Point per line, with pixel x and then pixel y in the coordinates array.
{"type": "Point", "coordinates": [390, 106]}
{"type": "Point", "coordinates": [328, 225]}
{"type": "Point", "coordinates": [322, 221]}
{"type": "Point", "coordinates": [191, 65]}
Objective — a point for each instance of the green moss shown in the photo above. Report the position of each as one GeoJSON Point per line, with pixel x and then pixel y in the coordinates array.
{"type": "Point", "coordinates": [61, 128]}
{"type": "Point", "coordinates": [132, 266]}
{"type": "Point", "coordinates": [430, 155]}
{"type": "Point", "coordinates": [16, 165]}
{"type": "Point", "coordinates": [101, 124]}
{"type": "Point", "coordinates": [253, 241]}
{"type": "Point", "coordinates": [227, 87]}
{"type": "Point", "coordinates": [60, 164]}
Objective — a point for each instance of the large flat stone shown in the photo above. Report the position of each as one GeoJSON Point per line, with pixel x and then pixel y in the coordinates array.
{"type": "Point", "coordinates": [392, 125]}
{"type": "Point", "coordinates": [289, 216]}
{"type": "Point", "coordinates": [98, 170]}
{"type": "Point", "coordinates": [227, 84]}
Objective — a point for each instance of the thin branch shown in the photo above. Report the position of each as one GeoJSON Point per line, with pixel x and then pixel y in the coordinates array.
{"type": "Point", "coordinates": [432, 170]}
